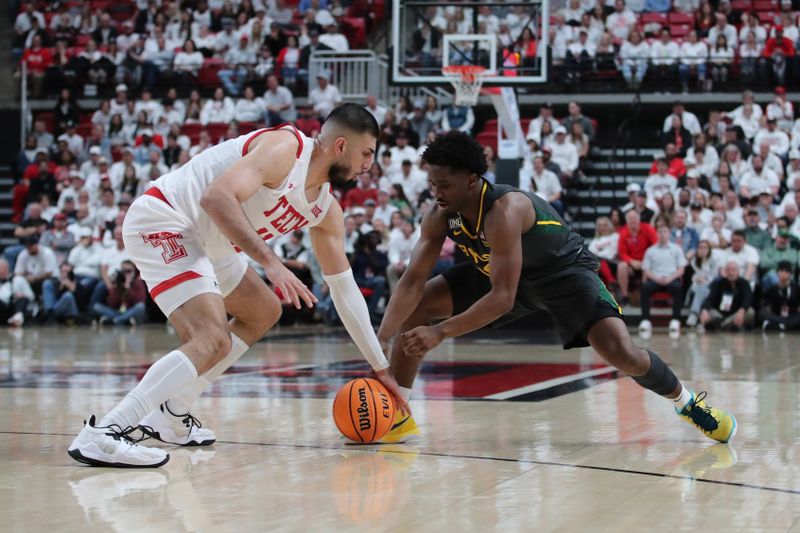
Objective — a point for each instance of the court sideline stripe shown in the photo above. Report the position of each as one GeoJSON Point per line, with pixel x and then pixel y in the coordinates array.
{"type": "Point", "coordinates": [542, 385]}
{"type": "Point", "coordinates": [476, 457]}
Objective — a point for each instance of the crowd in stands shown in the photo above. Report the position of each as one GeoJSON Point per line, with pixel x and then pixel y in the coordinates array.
{"type": "Point", "coordinates": [715, 226]}
{"type": "Point", "coordinates": [95, 45]}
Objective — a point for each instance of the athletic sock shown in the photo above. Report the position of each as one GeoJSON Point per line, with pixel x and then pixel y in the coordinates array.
{"type": "Point", "coordinates": [168, 375]}
{"type": "Point", "coordinates": [683, 399]}
{"type": "Point", "coordinates": [182, 401]}
{"type": "Point", "coordinates": [405, 392]}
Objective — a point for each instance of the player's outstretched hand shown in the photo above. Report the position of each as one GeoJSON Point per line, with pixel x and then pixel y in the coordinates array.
{"type": "Point", "coordinates": [387, 378]}
{"type": "Point", "coordinates": [292, 289]}
{"type": "Point", "coordinates": [419, 341]}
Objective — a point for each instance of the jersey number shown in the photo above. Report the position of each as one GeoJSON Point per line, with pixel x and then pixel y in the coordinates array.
{"type": "Point", "coordinates": [168, 241]}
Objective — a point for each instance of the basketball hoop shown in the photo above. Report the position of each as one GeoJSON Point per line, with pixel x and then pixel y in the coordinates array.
{"type": "Point", "coordinates": [467, 81]}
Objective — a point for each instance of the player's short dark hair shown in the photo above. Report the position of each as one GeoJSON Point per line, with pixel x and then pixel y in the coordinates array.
{"type": "Point", "coordinates": [354, 117]}
{"type": "Point", "coordinates": [457, 150]}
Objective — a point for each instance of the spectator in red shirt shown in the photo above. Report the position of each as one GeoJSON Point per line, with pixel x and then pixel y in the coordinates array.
{"type": "Point", "coordinates": [37, 60]}
{"type": "Point", "coordinates": [634, 239]}
{"type": "Point", "coordinates": [307, 122]}
{"type": "Point", "coordinates": [777, 51]}
{"type": "Point", "coordinates": [365, 190]}
{"type": "Point", "coordinates": [675, 165]}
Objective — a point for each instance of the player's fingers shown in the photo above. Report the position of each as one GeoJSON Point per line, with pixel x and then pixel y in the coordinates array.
{"type": "Point", "coordinates": [292, 295]}
{"type": "Point", "coordinates": [307, 296]}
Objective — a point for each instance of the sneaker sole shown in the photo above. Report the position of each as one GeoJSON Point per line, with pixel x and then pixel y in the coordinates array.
{"type": "Point", "coordinates": [156, 435]}
{"type": "Point", "coordinates": [78, 456]}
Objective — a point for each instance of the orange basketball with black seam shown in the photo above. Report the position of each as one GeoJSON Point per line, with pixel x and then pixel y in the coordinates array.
{"type": "Point", "coordinates": [363, 410]}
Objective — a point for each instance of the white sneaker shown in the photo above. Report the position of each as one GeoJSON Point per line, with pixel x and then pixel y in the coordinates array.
{"type": "Point", "coordinates": [692, 320]}
{"type": "Point", "coordinates": [112, 446]}
{"type": "Point", "coordinates": [184, 430]}
{"type": "Point", "coordinates": [17, 319]}
{"type": "Point", "coordinates": [675, 326]}
{"type": "Point", "coordinates": [645, 327]}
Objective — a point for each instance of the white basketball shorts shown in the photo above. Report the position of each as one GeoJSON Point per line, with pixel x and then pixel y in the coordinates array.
{"type": "Point", "coordinates": [166, 248]}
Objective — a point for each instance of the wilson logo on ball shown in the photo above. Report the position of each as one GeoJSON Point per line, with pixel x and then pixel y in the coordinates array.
{"type": "Point", "coordinates": [363, 410]}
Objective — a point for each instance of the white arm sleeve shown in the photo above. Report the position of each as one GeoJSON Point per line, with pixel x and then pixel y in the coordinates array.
{"type": "Point", "coordinates": [353, 311]}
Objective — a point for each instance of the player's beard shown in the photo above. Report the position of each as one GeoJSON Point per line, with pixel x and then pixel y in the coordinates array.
{"type": "Point", "coordinates": [338, 175]}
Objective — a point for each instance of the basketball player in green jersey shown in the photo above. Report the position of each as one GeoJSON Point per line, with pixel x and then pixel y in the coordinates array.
{"type": "Point", "coordinates": [522, 258]}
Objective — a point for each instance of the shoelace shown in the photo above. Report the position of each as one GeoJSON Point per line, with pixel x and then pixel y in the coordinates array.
{"type": "Point", "coordinates": [701, 416]}
{"type": "Point", "coordinates": [118, 433]}
{"type": "Point", "coordinates": [188, 419]}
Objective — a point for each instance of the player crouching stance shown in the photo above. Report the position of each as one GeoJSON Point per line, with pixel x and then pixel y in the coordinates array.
{"type": "Point", "coordinates": [522, 257]}
{"type": "Point", "coordinates": [185, 233]}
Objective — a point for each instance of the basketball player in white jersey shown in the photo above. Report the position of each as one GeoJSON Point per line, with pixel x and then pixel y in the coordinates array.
{"type": "Point", "coordinates": [185, 233]}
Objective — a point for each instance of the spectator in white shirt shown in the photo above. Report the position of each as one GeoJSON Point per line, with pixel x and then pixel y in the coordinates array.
{"type": "Point", "coordinates": [693, 62]}
{"type": "Point", "coordinates": [384, 210]}
{"type": "Point", "coordinates": [748, 100]}
{"type": "Point", "coordinates": [278, 102]}
{"type": "Point", "coordinates": [745, 256]}
{"type": "Point", "coordinates": [634, 56]}
{"type": "Point", "coordinates": [413, 181]}
{"type": "Point", "coordinates": [564, 154]}
{"type": "Point", "coordinates": [659, 184]}
{"type": "Point", "coordinates": [249, 108]}
{"type": "Point", "coordinates": [620, 22]}
{"type": "Point", "coordinates": [325, 96]}
{"type": "Point", "coordinates": [751, 24]}
{"type": "Point", "coordinates": [749, 53]}
{"type": "Point", "coordinates": [544, 183]}
{"type": "Point", "coordinates": [220, 109]}
{"type": "Point", "coordinates": [580, 56]}
{"type": "Point", "coordinates": [689, 119]}
{"type": "Point", "coordinates": [188, 61]}
{"type": "Point", "coordinates": [721, 58]}
{"type": "Point", "coordinates": [545, 115]}
{"type": "Point", "coordinates": [777, 140]}
{"type": "Point", "coordinates": [770, 159]}
{"type": "Point", "coordinates": [401, 244]}
{"type": "Point", "coordinates": [664, 55]}
{"type": "Point", "coordinates": [376, 110]}
{"type": "Point", "coordinates": [334, 39]}
{"type": "Point", "coordinates": [36, 263]}
{"type": "Point", "coordinates": [402, 151]}
{"type": "Point", "coordinates": [717, 235]}
{"type": "Point", "coordinates": [239, 61]}
{"type": "Point", "coordinates": [759, 179]}
{"type": "Point", "coordinates": [723, 28]}
{"type": "Point", "coordinates": [781, 109]}
{"type": "Point", "coordinates": [748, 121]}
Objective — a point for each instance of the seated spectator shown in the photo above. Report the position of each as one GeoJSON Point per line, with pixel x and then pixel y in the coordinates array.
{"type": "Point", "coordinates": [729, 302]}
{"type": "Point", "coordinates": [412, 181]}
{"type": "Point", "coordinates": [776, 141]}
{"type": "Point", "coordinates": [694, 55]}
{"type": "Point", "coordinates": [781, 109]}
{"type": "Point", "coordinates": [659, 184]}
{"type": "Point", "coordinates": [279, 103]}
{"type": "Point", "coordinates": [705, 269]}
{"type": "Point", "coordinates": [218, 110]}
{"type": "Point", "coordinates": [459, 118]}
{"type": "Point", "coordinates": [369, 270]}
{"type": "Point", "coordinates": [745, 256]}
{"type": "Point", "coordinates": [779, 253]}
{"type": "Point", "coordinates": [605, 246]}
{"type": "Point", "coordinates": [325, 96]}
{"type": "Point", "coordinates": [565, 155]}
{"type": "Point", "coordinates": [15, 296]}
{"type": "Point", "coordinates": [721, 58]}
{"type": "Point", "coordinates": [778, 53]}
{"type": "Point", "coordinates": [384, 210]}
{"type": "Point", "coordinates": [36, 263]}
{"type": "Point", "coordinates": [620, 22]}
{"type": "Point", "coordinates": [544, 183]}
{"type": "Point", "coordinates": [363, 191]}
{"type": "Point", "coordinates": [757, 180]}
{"type": "Point", "coordinates": [634, 55]}
{"type": "Point", "coordinates": [314, 45]}
{"type": "Point", "coordinates": [781, 301]}
{"type": "Point", "coordinates": [85, 259]}
{"type": "Point", "coordinates": [575, 115]}
{"type": "Point", "coordinates": [634, 239]}
{"type": "Point", "coordinates": [59, 296]}
{"type": "Point", "coordinates": [401, 244]}
{"type": "Point", "coordinates": [580, 57]}
{"type": "Point", "coordinates": [187, 63]}
{"type": "Point", "coordinates": [716, 233]}
{"type": "Point", "coordinates": [662, 270]}
{"type": "Point", "coordinates": [640, 206]}
{"type": "Point", "coordinates": [125, 303]}
{"type": "Point", "coordinates": [288, 60]}
{"type": "Point", "coordinates": [684, 236]}
{"type": "Point", "coordinates": [749, 53]}
{"type": "Point", "coordinates": [664, 56]}
{"type": "Point", "coordinates": [58, 238]}
{"type": "Point", "coordinates": [248, 108]}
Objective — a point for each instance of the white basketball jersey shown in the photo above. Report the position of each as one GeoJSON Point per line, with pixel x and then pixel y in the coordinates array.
{"type": "Point", "coordinates": [272, 212]}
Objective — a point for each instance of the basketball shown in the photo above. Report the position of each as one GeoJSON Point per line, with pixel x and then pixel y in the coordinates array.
{"type": "Point", "coordinates": [363, 410]}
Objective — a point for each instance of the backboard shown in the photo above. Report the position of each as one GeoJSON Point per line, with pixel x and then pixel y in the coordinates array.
{"type": "Point", "coordinates": [508, 38]}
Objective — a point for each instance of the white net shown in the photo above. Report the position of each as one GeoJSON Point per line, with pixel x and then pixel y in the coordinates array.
{"type": "Point", "coordinates": [467, 81]}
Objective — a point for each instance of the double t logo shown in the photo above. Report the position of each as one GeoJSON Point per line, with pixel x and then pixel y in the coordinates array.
{"type": "Point", "coordinates": [168, 241]}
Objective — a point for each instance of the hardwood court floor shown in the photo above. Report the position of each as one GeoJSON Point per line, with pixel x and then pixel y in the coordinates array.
{"type": "Point", "coordinates": [563, 443]}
